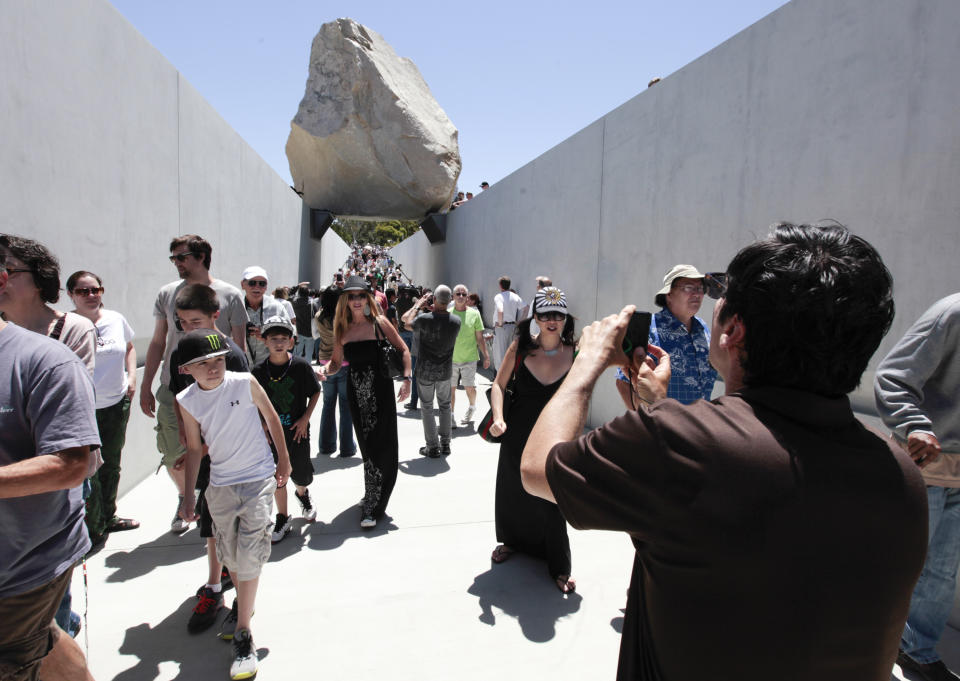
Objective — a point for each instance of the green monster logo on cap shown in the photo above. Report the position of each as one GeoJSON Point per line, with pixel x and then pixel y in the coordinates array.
{"type": "Point", "coordinates": [214, 341]}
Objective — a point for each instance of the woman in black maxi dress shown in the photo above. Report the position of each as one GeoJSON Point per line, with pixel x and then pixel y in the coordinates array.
{"type": "Point", "coordinates": [369, 391]}
{"type": "Point", "coordinates": [524, 522]}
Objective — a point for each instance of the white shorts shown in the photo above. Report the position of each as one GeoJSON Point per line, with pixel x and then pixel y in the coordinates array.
{"type": "Point", "coordinates": [466, 373]}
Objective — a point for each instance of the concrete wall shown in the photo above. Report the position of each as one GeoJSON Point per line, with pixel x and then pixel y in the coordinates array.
{"type": "Point", "coordinates": [107, 152]}
{"type": "Point", "coordinates": [820, 110]}
{"type": "Point", "coordinates": [823, 109]}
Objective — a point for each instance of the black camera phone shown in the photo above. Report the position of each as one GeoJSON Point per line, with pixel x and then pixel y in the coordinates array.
{"type": "Point", "coordinates": [638, 331]}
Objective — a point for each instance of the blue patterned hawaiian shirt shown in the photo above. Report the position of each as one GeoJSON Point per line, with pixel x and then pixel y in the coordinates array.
{"type": "Point", "coordinates": [691, 377]}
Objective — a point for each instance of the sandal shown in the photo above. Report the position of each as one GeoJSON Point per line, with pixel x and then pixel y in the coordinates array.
{"type": "Point", "coordinates": [565, 584]}
{"type": "Point", "coordinates": [501, 553]}
{"type": "Point", "coordinates": [122, 524]}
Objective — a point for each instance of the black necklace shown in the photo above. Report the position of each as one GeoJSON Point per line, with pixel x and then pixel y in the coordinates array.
{"type": "Point", "coordinates": [286, 368]}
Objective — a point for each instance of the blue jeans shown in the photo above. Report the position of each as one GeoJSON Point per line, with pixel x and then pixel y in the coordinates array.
{"type": "Point", "coordinates": [335, 388]}
{"type": "Point", "coordinates": [932, 598]}
{"type": "Point", "coordinates": [304, 347]}
{"type": "Point", "coordinates": [440, 389]}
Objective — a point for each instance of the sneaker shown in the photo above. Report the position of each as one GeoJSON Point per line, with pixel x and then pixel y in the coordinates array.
{"type": "Point", "coordinates": [205, 611]}
{"type": "Point", "coordinates": [281, 529]}
{"type": "Point", "coordinates": [444, 449]}
{"type": "Point", "coordinates": [410, 406]}
{"type": "Point", "coordinates": [932, 671]}
{"type": "Point", "coordinates": [307, 510]}
{"type": "Point", "coordinates": [453, 423]}
{"type": "Point", "coordinates": [430, 452]}
{"type": "Point", "coordinates": [229, 625]}
{"type": "Point", "coordinates": [368, 522]}
{"type": "Point", "coordinates": [225, 581]}
{"type": "Point", "coordinates": [178, 525]}
{"type": "Point", "coordinates": [468, 417]}
{"type": "Point", "coordinates": [244, 664]}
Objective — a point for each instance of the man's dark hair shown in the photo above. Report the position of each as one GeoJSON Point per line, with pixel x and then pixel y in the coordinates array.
{"type": "Point", "coordinates": [43, 265]}
{"type": "Point", "coordinates": [195, 244]}
{"type": "Point", "coordinates": [197, 297]}
{"type": "Point", "coordinates": [505, 283]}
{"type": "Point", "coordinates": [816, 301]}
{"type": "Point", "coordinates": [391, 295]}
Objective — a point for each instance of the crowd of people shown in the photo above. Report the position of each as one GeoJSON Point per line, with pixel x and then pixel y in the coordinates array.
{"type": "Point", "coordinates": [769, 500]}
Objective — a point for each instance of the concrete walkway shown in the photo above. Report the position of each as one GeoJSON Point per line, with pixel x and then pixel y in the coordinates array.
{"type": "Point", "coordinates": [417, 598]}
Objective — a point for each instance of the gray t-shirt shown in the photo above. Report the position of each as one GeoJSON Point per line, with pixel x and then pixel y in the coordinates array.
{"type": "Point", "coordinates": [437, 333]}
{"type": "Point", "coordinates": [232, 313]}
{"type": "Point", "coordinates": [46, 406]}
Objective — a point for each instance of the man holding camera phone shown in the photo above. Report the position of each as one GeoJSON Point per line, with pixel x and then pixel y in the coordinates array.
{"type": "Point", "coordinates": [775, 535]}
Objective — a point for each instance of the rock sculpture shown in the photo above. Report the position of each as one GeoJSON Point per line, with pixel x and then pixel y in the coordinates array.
{"type": "Point", "coordinates": [369, 139]}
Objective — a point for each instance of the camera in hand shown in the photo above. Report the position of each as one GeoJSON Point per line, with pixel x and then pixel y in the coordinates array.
{"type": "Point", "coordinates": [638, 331]}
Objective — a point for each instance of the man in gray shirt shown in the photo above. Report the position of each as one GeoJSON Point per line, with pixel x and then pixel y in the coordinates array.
{"type": "Point", "coordinates": [191, 255]}
{"type": "Point", "coordinates": [436, 334]}
{"type": "Point", "coordinates": [48, 427]}
{"type": "Point", "coordinates": [916, 388]}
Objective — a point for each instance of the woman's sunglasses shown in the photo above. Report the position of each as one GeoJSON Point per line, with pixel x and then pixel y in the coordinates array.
{"type": "Point", "coordinates": [88, 291]}
{"type": "Point", "coordinates": [551, 317]}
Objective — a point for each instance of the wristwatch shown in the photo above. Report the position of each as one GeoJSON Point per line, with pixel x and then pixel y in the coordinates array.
{"type": "Point", "coordinates": [406, 378]}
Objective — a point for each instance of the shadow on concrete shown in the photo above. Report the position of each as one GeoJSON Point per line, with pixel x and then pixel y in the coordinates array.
{"type": "Point", "coordinates": [323, 464]}
{"type": "Point", "coordinates": [322, 536]}
{"type": "Point", "coordinates": [424, 466]}
{"type": "Point", "coordinates": [292, 543]}
{"type": "Point", "coordinates": [522, 589]}
{"type": "Point", "coordinates": [617, 622]}
{"type": "Point", "coordinates": [167, 549]}
{"type": "Point", "coordinates": [199, 656]}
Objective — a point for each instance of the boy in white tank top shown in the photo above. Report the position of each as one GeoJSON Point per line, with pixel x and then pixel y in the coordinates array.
{"type": "Point", "coordinates": [222, 409]}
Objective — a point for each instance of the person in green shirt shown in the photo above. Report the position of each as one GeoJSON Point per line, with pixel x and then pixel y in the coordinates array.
{"type": "Point", "coordinates": [465, 352]}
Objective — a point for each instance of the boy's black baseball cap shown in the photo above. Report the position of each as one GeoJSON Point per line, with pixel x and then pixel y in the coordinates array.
{"type": "Point", "coordinates": [201, 344]}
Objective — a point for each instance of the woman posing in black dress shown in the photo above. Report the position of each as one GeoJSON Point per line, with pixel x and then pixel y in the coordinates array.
{"type": "Point", "coordinates": [369, 391]}
{"type": "Point", "coordinates": [524, 522]}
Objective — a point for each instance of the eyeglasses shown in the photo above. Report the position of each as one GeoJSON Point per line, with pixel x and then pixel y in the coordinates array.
{"type": "Point", "coordinates": [551, 316]}
{"type": "Point", "coordinates": [690, 289]}
{"type": "Point", "coordinates": [15, 270]}
{"type": "Point", "coordinates": [180, 257]}
{"type": "Point", "coordinates": [356, 296]}
{"type": "Point", "coordinates": [88, 291]}
{"type": "Point", "coordinates": [715, 284]}
{"type": "Point", "coordinates": [256, 283]}
{"type": "Point", "coordinates": [460, 295]}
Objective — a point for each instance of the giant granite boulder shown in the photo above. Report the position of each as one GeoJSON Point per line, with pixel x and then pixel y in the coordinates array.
{"type": "Point", "coordinates": [369, 139]}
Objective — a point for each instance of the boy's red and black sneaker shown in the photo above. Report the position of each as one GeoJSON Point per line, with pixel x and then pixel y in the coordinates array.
{"type": "Point", "coordinates": [205, 612]}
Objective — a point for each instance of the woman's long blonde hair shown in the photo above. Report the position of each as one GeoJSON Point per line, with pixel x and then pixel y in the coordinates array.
{"type": "Point", "coordinates": [343, 318]}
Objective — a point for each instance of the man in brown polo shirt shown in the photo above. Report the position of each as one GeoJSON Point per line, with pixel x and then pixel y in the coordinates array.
{"type": "Point", "coordinates": [776, 537]}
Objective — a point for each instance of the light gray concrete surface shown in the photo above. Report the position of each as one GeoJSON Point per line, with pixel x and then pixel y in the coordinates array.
{"type": "Point", "coordinates": [823, 109]}
{"type": "Point", "coordinates": [415, 599]}
{"type": "Point", "coordinates": [107, 152]}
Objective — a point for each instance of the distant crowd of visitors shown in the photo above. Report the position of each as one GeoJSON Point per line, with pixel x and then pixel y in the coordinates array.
{"type": "Point", "coordinates": [769, 509]}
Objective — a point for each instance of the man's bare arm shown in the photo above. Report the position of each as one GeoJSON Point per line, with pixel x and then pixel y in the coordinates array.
{"type": "Point", "coordinates": [47, 473]}
{"type": "Point", "coordinates": [158, 343]}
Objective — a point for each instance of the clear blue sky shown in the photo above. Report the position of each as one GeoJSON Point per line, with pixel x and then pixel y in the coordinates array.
{"type": "Point", "coordinates": [515, 78]}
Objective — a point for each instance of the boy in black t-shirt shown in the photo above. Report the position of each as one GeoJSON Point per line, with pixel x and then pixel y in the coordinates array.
{"type": "Point", "coordinates": [197, 307]}
{"type": "Point", "coordinates": [293, 390]}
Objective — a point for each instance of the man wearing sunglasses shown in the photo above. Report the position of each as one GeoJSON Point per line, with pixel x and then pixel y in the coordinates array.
{"type": "Point", "coordinates": [775, 535]}
{"type": "Point", "coordinates": [259, 305]}
{"type": "Point", "coordinates": [191, 255]}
